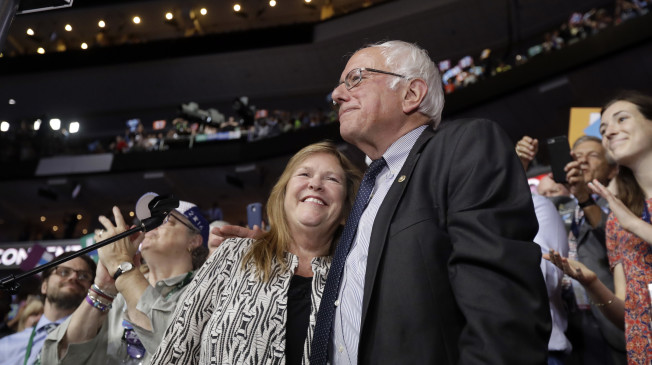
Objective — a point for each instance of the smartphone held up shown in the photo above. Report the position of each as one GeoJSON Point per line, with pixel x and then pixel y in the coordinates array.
{"type": "Point", "coordinates": [559, 155]}
{"type": "Point", "coordinates": [254, 215]}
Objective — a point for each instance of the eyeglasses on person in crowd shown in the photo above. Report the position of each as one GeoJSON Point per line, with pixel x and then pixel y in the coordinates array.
{"type": "Point", "coordinates": [82, 275]}
{"type": "Point", "coordinates": [191, 227]}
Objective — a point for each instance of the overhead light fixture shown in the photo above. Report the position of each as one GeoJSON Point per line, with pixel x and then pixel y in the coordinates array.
{"type": "Point", "coordinates": [40, 50]}
{"type": "Point", "coordinates": [203, 11]}
{"type": "Point", "coordinates": [55, 124]}
{"type": "Point", "coordinates": [68, 28]}
{"type": "Point", "coordinates": [169, 16]}
{"type": "Point", "coordinates": [136, 20]}
{"type": "Point", "coordinates": [73, 127]}
{"type": "Point", "coordinates": [84, 45]}
{"type": "Point", "coordinates": [79, 217]}
{"type": "Point", "coordinates": [307, 1]}
{"type": "Point", "coordinates": [37, 124]}
{"type": "Point", "coordinates": [30, 31]}
{"type": "Point", "coordinates": [272, 3]}
{"type": "Point", "coordinates": [55, 228]}
{"type": "Point", "coordinates": [237, 7]}
{"type": "Point", "coordinates": [101, 24]}
{"type": "Point", "coordinates": [12, 102]}
{"type": "Point", "coordinates": [84, 231]}
{"type": "Point", "coordinates": [4, 126]}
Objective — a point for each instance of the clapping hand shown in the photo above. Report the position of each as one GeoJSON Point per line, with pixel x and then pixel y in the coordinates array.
{"type": "Point", "coordinates": [572, 268]}
{"type": "Point", "coordinates": [626, 218]}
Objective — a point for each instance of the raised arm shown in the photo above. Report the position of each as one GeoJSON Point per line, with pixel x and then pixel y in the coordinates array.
{"type": "Point", "coordinates": [626, 218]}
{"type": "Point", "coordinates": [526, 149]}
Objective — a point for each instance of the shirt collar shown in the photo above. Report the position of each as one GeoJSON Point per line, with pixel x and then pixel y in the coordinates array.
{"type": "Point", "coordinates": [44, 321]}
{"type": "Point", "coordinates": [172, 281]}
{"type": "Point", "coordinates": [397, 153]}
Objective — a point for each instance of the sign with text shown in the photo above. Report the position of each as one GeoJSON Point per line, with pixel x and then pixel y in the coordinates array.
{"type": "Point", "coordinates": [13, 254]}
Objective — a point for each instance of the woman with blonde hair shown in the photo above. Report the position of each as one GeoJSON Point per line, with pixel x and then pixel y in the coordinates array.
{"type": "Point", "coordinates": [255, 300]}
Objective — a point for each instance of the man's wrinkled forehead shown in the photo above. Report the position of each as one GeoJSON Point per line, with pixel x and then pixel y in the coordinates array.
{"type": "Point", "coordinates": [366, 57]}
{"type": "Point", "coordinates": [589, 147]}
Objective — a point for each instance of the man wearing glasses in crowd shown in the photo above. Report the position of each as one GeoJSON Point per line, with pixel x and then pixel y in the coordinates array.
{"type": "Point", "coordinates": [64, 288]}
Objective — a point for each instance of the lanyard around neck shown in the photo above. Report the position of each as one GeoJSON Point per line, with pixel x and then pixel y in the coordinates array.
{"type": "Point", "coordinates": [186, 280]}
{"type": "Point", "coordinates": [29, 345]}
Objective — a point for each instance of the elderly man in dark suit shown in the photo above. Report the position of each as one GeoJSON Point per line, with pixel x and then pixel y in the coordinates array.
{"type": "Point", "coordinates": [441, 268]}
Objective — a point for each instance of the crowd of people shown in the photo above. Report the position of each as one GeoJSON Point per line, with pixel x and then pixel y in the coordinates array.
{"type": "Point", "coordinates": [26, 144]}
{"type": "Point", "coordinates": [439, 253]}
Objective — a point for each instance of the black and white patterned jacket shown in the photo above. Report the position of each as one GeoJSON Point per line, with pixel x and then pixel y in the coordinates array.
{"type": "Point", "coordinates": [227, 315]}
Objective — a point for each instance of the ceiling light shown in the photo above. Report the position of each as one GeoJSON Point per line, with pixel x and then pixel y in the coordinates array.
{"type": "Point", "coordinates": [136, 20]}
{"type": "Point", "coordinates": [101, 24]}
{"type": "Point", "coordinates": [12, 102]}
{"type": "Point", "coordinates": [84, 45]}
{"type": "Point", "coordinates": [55, 228]}
{"type": "Point", "coordinates": [237, 7]}
{"type": "Point", "coordinates": [169, 16]}
{"type": "Point", "coordinates": [68, 28]}
{"type": "Point", "coordinates": [37, 124]}
{"type": "Point", "coordinates": [55, 124]}
{"type": "Point", "coordinates": [79, 217]}
{"type": "Point", "coordinates": [84, 231]}
{"type": "Point", "coordinates": [42, 218]}
{"type": "Point", "coordinates": [73, 127]}
{"type": "Point", "coordinates": [4, 126]}
{"type": "Point", "coordinates": [203, 11]}
{"type": "Point", "coordinates": [307, 1]}
{"type": "Point", "coordinates": [272, 3]}
{"type": "Point", "coordinates": [30, 31]}
{"type": "Point", "coordinates": [131, 214]}
{"type": "Point", "coordinates": [40, 50]}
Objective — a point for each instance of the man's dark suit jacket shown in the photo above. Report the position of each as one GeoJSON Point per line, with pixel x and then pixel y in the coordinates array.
{"type": "Point", "coordinates": [453, 276]}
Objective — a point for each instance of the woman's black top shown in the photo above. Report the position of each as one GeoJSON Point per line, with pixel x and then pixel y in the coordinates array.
{"type": "Point", "coordinates": [296, 328]}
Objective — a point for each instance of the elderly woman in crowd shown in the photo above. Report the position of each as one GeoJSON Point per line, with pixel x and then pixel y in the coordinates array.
{"type": "Point", "coordinates": [626, 128]}
{"type": "Point", "coordinates": [255, 300]}
{"type": "Point", "coordinates": [126, 312]}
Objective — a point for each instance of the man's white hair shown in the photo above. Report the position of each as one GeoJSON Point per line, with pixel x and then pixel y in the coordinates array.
{"type": "Point", "coordinates": [413, 62]}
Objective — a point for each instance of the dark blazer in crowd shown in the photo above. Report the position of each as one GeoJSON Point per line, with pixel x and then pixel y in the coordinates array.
{"type": "Point", "coordinates": [453, 276]}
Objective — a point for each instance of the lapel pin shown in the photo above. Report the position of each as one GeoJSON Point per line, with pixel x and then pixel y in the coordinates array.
{"type": "Point", "coordinates": [401, 179]}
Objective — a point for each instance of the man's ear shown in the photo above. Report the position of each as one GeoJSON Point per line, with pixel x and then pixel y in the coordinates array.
{"type": "Point", "coordinates": [414, 94]}
{"type": "Point", "coordinates": [44, 287]}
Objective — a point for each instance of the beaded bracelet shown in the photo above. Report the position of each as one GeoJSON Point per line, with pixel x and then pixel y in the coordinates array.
{"type": "Point", "coordinates": [97, 304]}
{"type": "Point", "coordinates": [99, 291]}
{"type": "Point", "coordinates": [603, 304]}
{"type": "Point", "coordinates": [98, 298]}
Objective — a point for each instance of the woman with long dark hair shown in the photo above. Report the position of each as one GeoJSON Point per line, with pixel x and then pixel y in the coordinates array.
{"type": "Point", "coordinates": [626, 128]}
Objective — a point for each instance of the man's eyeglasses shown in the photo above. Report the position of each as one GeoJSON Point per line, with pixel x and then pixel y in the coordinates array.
{"type": "Point", "coordinates": [82, 275]}
{"type": "Point", "coordinates": [167, 219]}
{"type": "Point", "coordinates": [354, 77]}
